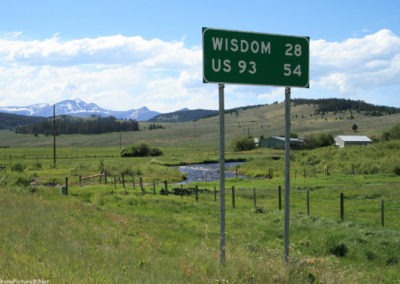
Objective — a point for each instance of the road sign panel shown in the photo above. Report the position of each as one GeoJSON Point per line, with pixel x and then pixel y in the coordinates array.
{"type": "Point", "coordinates": [255, 58]}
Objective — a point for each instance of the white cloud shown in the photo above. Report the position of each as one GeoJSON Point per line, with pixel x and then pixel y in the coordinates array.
{"type": "Point", "coordinates": [357, 63]}
{"type": "Point", "coordinates": [120, 72]}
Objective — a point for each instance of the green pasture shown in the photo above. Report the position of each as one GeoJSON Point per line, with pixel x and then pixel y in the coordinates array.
{"type": "Point", "coordinates": [102, 234]}
{"type": "Point", "coordinates": [108, 233]}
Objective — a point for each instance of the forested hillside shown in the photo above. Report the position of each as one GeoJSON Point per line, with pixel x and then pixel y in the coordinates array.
{"type": "Point", "coordinates": [10, 121]}
{"type": "Point", "coordinates": [74, 125]}
{"type": "Point", "coordinates": [336, 105]}
{"type": "Point", "coordinates": [184, 115]}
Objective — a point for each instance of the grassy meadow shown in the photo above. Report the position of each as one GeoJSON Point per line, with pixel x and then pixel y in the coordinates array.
{"type": "Point", "coordinates": [111, 233]}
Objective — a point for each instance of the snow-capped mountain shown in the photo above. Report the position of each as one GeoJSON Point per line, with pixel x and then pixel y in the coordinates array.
{"type": "Point", "coordinates": [80, 108]}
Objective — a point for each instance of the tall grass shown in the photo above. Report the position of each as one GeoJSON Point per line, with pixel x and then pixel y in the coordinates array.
{"type": "Point", "coordinates": [99, 234]}
{"type": "Point", "coordinates": [104, 233]}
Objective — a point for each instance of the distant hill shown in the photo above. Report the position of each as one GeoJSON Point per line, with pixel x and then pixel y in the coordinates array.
{"type": "Point", "coordinates": [183, 115]}
{"type": "Point", "coordinates": [257, 121]}
{"type": "Point", "coordinates": [337, 105]}
{"type": "Point", "coordinates": [311, 108]}
{"type": "Point", "coordinates": [11, 121]}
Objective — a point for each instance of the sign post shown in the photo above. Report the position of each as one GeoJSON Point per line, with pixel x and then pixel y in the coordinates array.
{"type": "Point", "coordinates": [222, 170]}
{"type": "Point", "coordinates": [287, 175]}
{"type": "Point", "coordinates": [255, 59]}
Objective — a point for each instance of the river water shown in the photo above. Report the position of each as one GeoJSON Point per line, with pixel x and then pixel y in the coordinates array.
{"type": "Point", "coordinates": [207, 172]}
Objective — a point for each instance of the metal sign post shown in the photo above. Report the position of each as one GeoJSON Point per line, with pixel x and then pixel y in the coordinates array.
{"type": "Point", "coordinates": [222, 170]}
{"type": "Point", "coordinates": [287, 174]}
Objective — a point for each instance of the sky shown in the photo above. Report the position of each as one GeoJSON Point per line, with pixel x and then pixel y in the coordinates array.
{"type": "Point", "coordinates": [126, 54]}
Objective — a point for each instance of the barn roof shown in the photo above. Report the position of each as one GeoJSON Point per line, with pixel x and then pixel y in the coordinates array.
{"type": "Point", "coordinates": [354, 138]}
{"type": "Point", "coordinates": [282, 138]}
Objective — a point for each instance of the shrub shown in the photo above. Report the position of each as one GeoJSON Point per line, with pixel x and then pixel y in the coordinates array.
{"type": "Point", "coordinates": [140, 150]}
{"type": "Point", "coordinates": [392, 134]}
{"type": "Point", "coordinates": [243, 144]}
{"type": "Point", "coordinates": [319, 140]}
{"type": "Point", "coordinates": [18, 167]}
{"type": "Point", "coordinates": [339, 250]}
{"type": "Point", "coordinates": [36, 166]}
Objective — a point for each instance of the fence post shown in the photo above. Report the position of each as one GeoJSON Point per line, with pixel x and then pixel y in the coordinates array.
{"type": "Point", "coordinates": [383, 213]}
{"type": "Point", "coordinates": [308, 202]}
{"type": "Point", "coordinates": [197, 193]}
{"type": "Point", "coordinates": [233, 197]}
{"type": "Point", "coordinates": [280, 197]}
{"type": "Point", "coordinates": [80, 180]}
{"type": "Point", "coordinates": [66, 185]}
{"type": "Point", "coordinates": [341, 206]}
{"type": "Point", "coordinates": [254, 199]}
{"type": "Point", "coordinates": [141, 184]}
{"type": "Point", "coordinates": [154, 187]}
{"type": "Point", "coordinates": [215, 193]}
{"type": "Point", "coordinates": [115, 182]}
{"type": "Point", "coordinates": [166, 186]}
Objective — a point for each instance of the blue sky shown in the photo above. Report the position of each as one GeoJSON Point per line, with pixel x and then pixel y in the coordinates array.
{"type": "Point", "coordinates": [128, 54]}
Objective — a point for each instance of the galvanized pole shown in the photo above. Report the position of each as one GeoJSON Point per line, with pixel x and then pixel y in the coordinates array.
{"type": "Point", "coordinates": [287, 173]}
{"type": "Point", "coordinates": [222, 170]}
{"type": "Point", "coordinates": [54, 135]}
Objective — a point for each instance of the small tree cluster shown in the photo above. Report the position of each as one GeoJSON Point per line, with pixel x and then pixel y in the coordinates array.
{"type": "Point", "coordinates": [392, 134]}
{"type": "Point", "coordinates": [243, 144]}
{"type": "Point", "coordinates": [140, 150]}
{"type": "Point", "coordinates": [319, 140]}
{"type": "Point", "coordinates": [155, 126]}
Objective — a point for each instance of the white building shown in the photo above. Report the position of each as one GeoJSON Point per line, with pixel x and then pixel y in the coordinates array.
{"type": "Point", "coordinates": [348, 140]}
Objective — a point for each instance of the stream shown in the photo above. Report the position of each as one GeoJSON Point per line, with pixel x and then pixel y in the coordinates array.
{"type": "Point", "coordinates": [207, 172]}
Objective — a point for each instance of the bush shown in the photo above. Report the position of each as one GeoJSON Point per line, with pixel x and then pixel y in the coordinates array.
{"type": "Point", "coordinates": [140, 150]}
{"type": "Point", "coordinates": [243, 144]}
{"type": "Point", "coordinates": [319, 140]}
{"type": "Point", "coordinates": [339, 250]}
{"type": "Point", "coordinates": [392, 134]}
{"type": "Point", "coordinates": [18, 167]}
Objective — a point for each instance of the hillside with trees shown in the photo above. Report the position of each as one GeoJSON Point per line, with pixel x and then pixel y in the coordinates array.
{"type": "Point", "coordinates": [184, 115]}
{"type": "Point", "coordinates": [73, 125]}
{"type": "Point", "coordinates": [10, 121]}
{"type": "Point", "coordinates": [338, 105]}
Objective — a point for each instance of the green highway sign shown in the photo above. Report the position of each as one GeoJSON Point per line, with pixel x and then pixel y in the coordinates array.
{"type": "Point", "coordinates": [255, 58]}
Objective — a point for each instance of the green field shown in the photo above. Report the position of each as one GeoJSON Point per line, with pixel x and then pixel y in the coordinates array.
{"type": "Point", "coordinates": [105, 232]}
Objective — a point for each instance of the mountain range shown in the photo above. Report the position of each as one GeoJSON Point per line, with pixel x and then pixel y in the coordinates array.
{"type": "Point", "coordinates": [78, 107]}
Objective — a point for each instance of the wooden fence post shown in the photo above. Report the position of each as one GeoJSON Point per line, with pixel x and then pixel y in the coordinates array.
{"type": "Point", "coordinates": [123, 181]}
{"type": "Point", "coordinates": [154, 186]}
{"type": "Point", "coordinates": [280, 197]}
{"type": "Point", "coordinates": [197, 193]}
{"type": "Point", "coordinates": [215, 193]}
{"type": "Point", "coordinates": [166, 186]}
{"type": "Point", "coordinates": [141, 184]}
{"type": "Point", "coordinates": [233, 197]}
{"type": "Point", "coordinates": [66, 185]}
